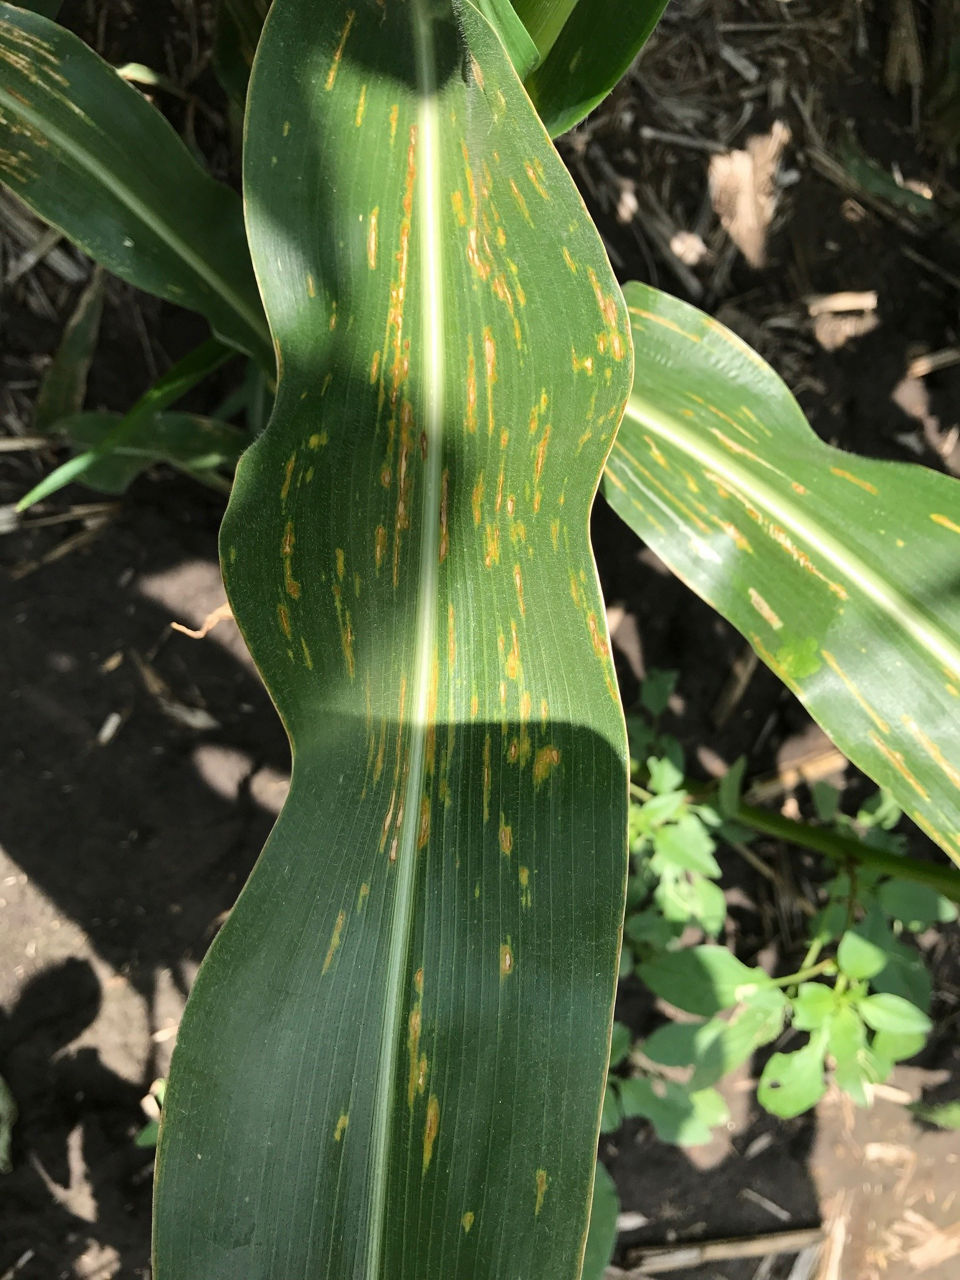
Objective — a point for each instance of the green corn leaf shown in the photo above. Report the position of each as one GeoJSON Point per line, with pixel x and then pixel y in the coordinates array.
{"type": "Point", "coordinates": [90, 155]}
{"type": "Point", "coordinates": [8, 1118]}
{"type": "Point", "coordinates": [64, 384]}
{"type": "Point", "coordinates": [116, 450]}
{"type": "Point", "coordinates": [48, 8]}
{"type": "Point", "coordinates": [514, 37]}
{"type": "Point", "coordinates": [603, 1225]}
{"type": "Point", "coordinates": [839, 570]}
{"type": "Point", "coordinates": [239, 23]}
{"type": "Point", "coordinates": [585, 46]}
{"type": "Point", "coordinates": [392, 1063]}
{"type": "Point", "coordinates": [107, 435]}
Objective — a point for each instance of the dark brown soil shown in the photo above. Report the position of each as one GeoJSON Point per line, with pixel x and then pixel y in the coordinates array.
{"type": "Point", "coordinates": [140, 770]}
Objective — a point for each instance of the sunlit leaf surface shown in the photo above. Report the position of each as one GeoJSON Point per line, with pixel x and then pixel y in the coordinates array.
{"type": "Point", "coordinates": [843, 572]}
{"type": "Point", "coordinates": [393, 1060]}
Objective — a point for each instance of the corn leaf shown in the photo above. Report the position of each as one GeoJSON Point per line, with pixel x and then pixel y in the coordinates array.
{"type": "Point", "coordinates": [239, 23]}
{"type": "Point", "coordinates": [392, 1063]}
{"type": "Point", "coordinates": [49, 8]}
{"type": "Point", "coordinates": [64, 384]}
{"type": "Point", "coordinates": [585, 47]}
{"type": "Point", "coordinates": [106, 435]}
{"type": "Point", "coordinates": [90, 155]}
{"type": "Point", "coordinates": [841, 571]}
{"type": "Point", "coordinates": [202, 447]}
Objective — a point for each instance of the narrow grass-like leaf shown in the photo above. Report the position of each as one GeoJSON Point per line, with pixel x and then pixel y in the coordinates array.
{"type": "Point", "coordinates": [239, 23]}
{"type": "Point", "coordinates": [64, 384]}
{"type": "Point", "coordinates": [392, 1063]}
{"type": "Point", "coordinates": [582, 59]}
{"type": "Point", "coordinates": [202, 447]}
{"type": "Point", "coordinates": [49, 8]}
{"type": "Point", "coordinates": [89, 154]}
{"type": "Point", "coordinates": [112, 432]}
{"type": "Point", "coordinates": [841, 571]}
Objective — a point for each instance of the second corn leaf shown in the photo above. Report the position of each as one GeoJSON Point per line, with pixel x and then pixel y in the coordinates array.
{"type": "Point", "coordinates": [585, 48]}
{"type": "Point", "coordinates": [90, 155]}
{"type": "Point", "coordinates": [841, 571]}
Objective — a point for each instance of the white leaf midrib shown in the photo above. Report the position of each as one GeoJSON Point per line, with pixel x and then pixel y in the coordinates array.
{"type": "Point", "coordinates": [432, 392]}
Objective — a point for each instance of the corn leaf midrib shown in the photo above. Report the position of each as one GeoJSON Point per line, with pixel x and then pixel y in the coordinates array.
{"type": "Point", "coordinates": [433, 374]}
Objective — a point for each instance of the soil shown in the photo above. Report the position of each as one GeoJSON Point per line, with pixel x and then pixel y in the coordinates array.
{"type": "Point", "coordinates": [141, 770]}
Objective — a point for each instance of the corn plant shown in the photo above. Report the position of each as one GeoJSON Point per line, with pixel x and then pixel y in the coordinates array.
{"type": "Point", "coordinates": [394, 1057]}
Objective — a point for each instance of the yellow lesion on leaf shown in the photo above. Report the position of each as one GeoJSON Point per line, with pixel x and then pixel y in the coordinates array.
{"type": "Point", "coordinates": [545, 761]}
{"type": "Point", "coordinates": [334, 941]}
{"type": "Point", "coordinates": [423, 831]}
{"type": "Point", "coordinates": [338, 54]}
{"type": "Point", "coordinates": [507, 962]}
{"type": "Point", "coordinates": [467, 1222]}
{"type": "Point", "coordinates": [373, 232]}
{"type": "Point", "coordinates": [492, 555]}
{"type": "Point", "coordinates": [542, 1182]}
{"type": "Point", "coordinates": [289, 583]}
{"type": "Point", "coordinates": [430, 1131]}
{"type": "Point", "coordinates": [513, 657]}
{"type": "Point", "coordinates": [341, 1128]}
{"type": "Point", "coordinates": [521, 203]}
{"type": "Point", "coordinates": [945, 522]}
{"type": "Point", "coordinates": [287, 477]}
{"type": "Point", "coordinates": [505, 836]}
{"type": "Point", "coordinates": [896, 759]}
{"type": "Point", "coordinates": [414, 1026]}
{"type": "Point", "coordinates": [848, 475]}
{"type": "Point", "coordinates": [526, 898]}
{"type": "Point", "coordinates": [934, 751]}
{"type": "Point", "coordinates": [518, 583]}
{"type": "Point", "coordinates": [361, 107]}
{"type": "Point", "coordinates": [534, 173]}
{"type": "Point", "coordinates": [765, 610]}
{"type": "Point", "coordinates": [854, 692]}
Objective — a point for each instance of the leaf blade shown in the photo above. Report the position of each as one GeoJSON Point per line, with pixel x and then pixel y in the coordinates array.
{"type": "Point", "coordinates": [409, 645]}
{"type": "Point", "coordinates": [75, 137]}
{"type": "Point", "coordinates": [833, 567]}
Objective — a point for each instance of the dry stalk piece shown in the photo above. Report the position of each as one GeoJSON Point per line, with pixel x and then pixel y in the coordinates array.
{"type": "Point", "coordinates": [213, 619]}
{"type": "Point", "coordinates": [681, 1257]}
{"type": "Point", "coordinates": [743, 191]}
